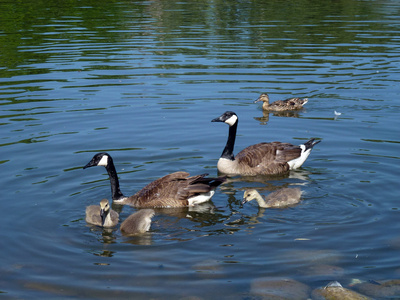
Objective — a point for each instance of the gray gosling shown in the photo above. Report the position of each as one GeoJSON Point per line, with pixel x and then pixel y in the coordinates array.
{"type": "Point", "coordinates": [281, 105]}
{"type": "Point", "coordinates": [282, 198]}
{"type": "Point", "coordinates": [138, 222]}
{"type": "Point", "coordinates": [102, 215]}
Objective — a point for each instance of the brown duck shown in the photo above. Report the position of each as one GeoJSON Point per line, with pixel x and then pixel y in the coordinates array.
{"type": "Point", "coordinates": [281, 105]}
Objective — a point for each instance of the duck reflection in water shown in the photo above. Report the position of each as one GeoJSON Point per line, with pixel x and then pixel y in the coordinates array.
{"type": "Point", "coordinates": [287, 114]}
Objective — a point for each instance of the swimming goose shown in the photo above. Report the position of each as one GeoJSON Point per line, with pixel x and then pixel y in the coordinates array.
{"type": "Point", "coordinates": [173, 190]}
{"type": "Point", "coordinates": [139, 222]}
{"type": "Point", "coordinates": [280, 198]}
{"type": "Point", "coordinates": [281, 105]}
{"type": "Point", "coordinates": [101, 215]}
{"type": "Point", "coordinates": [260, 159]}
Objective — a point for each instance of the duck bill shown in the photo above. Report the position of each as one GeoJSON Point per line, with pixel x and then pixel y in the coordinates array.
{"type": "Point", "coordinates": [257, 100]}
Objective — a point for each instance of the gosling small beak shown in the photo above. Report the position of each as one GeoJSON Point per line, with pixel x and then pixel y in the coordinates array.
{"type": "Point", "coordinates": [244, 201]}
{"type": "Point", "coordinates": [103, 216]}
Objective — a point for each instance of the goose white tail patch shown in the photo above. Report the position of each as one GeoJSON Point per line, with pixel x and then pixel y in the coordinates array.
{"type": "Point", "coordinates": [120, 200]}
{"type": "Point", "coordinates": [201, 198]}
{"type": "Point", "coordinates": [299, 161]}
{"type": "Point", "coordinates": [103, 161]}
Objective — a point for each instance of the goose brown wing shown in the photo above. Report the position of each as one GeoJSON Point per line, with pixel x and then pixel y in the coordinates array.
{"type": "Point", "coordinates": [174, 190]}
{"type": "Point", "coordinates": [161, 188]}
{"type": "Point", "coordinates": [197, 185]}
{"type": "Point", "coordinates": [286, 152]}
{"type": "Point", "coordinates": [268, 156]}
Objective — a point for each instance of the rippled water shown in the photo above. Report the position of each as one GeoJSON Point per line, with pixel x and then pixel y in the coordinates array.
{"type": "Point", "coordinates": [142, 81]}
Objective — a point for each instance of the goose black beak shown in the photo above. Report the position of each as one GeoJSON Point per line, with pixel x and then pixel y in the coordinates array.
{"type": "Point", "coordinates": [244, 201]}
{"type": "Point", "coordinates": [89, 164]}
{"type": "Point", "coordinates": [219, 119]}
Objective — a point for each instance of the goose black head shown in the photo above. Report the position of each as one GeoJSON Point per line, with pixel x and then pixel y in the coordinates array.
{"type": "Point", "coordinates": [100, 159]}
{"type": "Point", "coordinates": [228, 117]}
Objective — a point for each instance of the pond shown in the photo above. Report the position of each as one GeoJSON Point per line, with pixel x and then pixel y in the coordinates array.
{"type": "Point", "coordinates": [142, 80]}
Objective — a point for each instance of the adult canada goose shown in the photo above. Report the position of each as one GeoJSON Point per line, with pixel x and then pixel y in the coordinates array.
{"type": "Point", "coordinates": [260, 159]}
{"type": "Point", "coordinates": [280, 198]}
{"type": "Point", "coordinates": [173, 190]}
{"type": "Point", "coordinates": [101, 215]}
{"type": "Point", "coordinates": [139, 222]}
{"type": "Point", "coordinates": [281, 105]}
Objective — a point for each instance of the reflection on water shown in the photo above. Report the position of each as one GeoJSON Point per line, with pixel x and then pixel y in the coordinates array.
{"type": "Point", "coordinates": [142, 80]}
{"type": "Point", "coordinates": [287, 114]}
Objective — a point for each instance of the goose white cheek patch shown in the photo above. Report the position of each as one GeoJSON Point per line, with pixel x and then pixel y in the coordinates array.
{"type": "Point", "coordinates": [232, 120]}
{"type": "Point", "coordinates": [103, 161]}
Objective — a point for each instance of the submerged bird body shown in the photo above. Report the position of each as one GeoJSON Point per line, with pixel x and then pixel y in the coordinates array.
{"type": "Point", "coordinates": [137, 223]}
{"type": "Point", "coordinates": [260, 159]}
{"type": "Point", "coordinates": [101, 215]}
{"type": "Point", "coordinates": [281, 105]}
{"type": "Point", "coordinates": [173, 190]}
{"type": "Point", "coordinates": [281, 198]}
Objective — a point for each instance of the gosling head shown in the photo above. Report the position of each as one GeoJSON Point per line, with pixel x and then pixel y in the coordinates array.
{"type": "Point", "coordinates": [263, 97]}
{"type": "Point", "coordinates": [100, 159]}
{"type": "Point", "coordinates": [104, 210]}
{"type": "Point", "coordinates": [249, 195]}
{"type": "Point", "coordinates": [228, 117]}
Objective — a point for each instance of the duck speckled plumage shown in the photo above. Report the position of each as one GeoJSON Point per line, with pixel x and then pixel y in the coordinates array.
{"type": "Point", "coordinates": [281, 105]}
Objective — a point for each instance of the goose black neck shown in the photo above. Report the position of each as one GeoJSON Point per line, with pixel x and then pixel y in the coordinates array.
{"type": "Point", "coordinates": [112, 173]}
{"type": "Point", "coordinates": [230, 144]}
